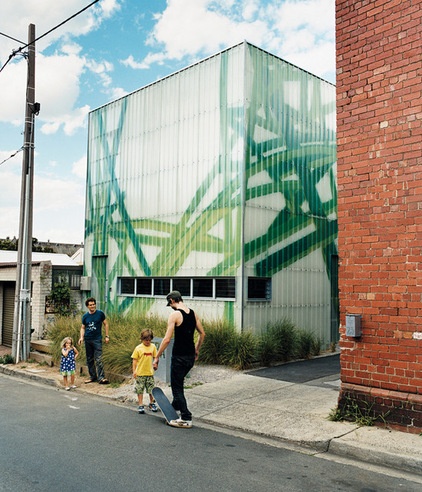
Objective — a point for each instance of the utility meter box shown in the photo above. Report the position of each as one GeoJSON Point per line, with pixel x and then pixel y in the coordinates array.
{"type": "Point", "coordinates": [353, 325]}
{"type": "Point", "coordinates": [163, 371]}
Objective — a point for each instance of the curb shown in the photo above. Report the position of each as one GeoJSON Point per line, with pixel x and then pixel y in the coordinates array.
{"type": "Point", "coordinates": [376, 457]}
{"type": "Point", "coordinates": [336, 446]}
{"type": "Point", "coordinates": [24, 375]}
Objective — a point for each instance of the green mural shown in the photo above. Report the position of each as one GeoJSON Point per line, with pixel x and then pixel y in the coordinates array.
{"type": "Point", "coordinates": [284, 123]}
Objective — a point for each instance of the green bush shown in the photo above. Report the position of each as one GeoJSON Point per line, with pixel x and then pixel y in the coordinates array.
{"type": "Point", "coordinates": [124, 336]}
{"type": "Point", "coordinates": [240, 351]}
{"type": "Point", "coordinates": [218, 335]}
{"type": "Point", "coordinates": [6, 359]}
{"type": "Point", "coordinates": [308, 345]}
{"type": "Point", "coordinates": [64, 326]}
{"type": "Point", "coordinates": [223, 344]}
{"type": "Point", "coordinates": [267, 353]}
{"type": "Point", "coordinates": [278, 342]}
{"type": "Point", "coordinates": [283, 341]}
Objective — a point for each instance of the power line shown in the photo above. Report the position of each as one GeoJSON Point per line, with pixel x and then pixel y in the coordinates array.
{"type": "Point", "coordinates": [10, 157]}
{"type": "Point", "coordinates": [10, 37]}
{"type": "Point", "coordinates": [16, 52]}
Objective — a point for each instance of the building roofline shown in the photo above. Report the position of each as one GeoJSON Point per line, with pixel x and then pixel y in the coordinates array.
{"type": "Point", "coordinates": [204, 60]}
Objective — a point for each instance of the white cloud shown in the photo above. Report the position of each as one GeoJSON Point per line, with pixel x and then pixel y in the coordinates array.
{"type": "Point", "coordinates": [131, 63]}
{"type": "Point", "coordinates": [192, 28]}
{"type": "Point", "coordinates": [79, 168]}
{"type": "Point", "coordinates": [58, 75]}
{"type": "Point", "coordinates": [117, 93]}
{"type": "Point", "coordinates": [58, 209]}
{"type": "Point", "coordinates": [300, 31]}
{"type": "Point", "coordinates": [59, 204]}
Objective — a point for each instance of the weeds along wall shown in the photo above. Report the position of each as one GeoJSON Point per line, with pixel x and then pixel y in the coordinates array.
{"type": "Point", "coordinates": [220, 181]}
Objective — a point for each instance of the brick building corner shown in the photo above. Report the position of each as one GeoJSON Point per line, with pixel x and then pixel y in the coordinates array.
{"type": "Point", "coordinates": [379, 135]}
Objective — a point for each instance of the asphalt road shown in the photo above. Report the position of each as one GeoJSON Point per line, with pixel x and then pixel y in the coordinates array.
{"type": "Point", "coordinates": [52, 440]}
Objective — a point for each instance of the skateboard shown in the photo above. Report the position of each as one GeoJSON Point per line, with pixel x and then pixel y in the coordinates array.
{"type": "Point", "coordinates": [165, 406]}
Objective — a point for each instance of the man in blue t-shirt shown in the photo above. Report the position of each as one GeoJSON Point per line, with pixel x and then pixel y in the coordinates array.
{"type": "Point", "coordinates": [91, 334]}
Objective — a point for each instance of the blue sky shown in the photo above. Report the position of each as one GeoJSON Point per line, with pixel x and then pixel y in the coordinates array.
{"type": "Point", "coordinates": [111, 49]}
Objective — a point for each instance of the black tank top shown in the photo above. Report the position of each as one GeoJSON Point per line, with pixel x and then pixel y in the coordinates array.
{"type": "Point", "coordinates": [183, 334]}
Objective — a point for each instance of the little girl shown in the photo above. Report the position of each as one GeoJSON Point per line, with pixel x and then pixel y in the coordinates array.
{"type": "Point", "coordinates": [67, 363]}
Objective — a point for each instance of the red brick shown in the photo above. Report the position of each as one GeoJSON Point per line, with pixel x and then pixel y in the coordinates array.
{"type": "Point", "coordinates": [379, 197]}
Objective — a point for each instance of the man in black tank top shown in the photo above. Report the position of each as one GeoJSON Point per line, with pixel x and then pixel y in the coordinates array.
{"type": "Point", "coordinates": [181, 324]}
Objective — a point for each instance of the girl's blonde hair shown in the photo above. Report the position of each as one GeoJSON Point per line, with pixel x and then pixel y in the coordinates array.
{"type": "Point", "coordinates": [65, 340]}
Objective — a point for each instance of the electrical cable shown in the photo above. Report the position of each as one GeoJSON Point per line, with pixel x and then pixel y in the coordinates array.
{"type": "Point", "coordinates": [10, 37]}
{"type": "Point", "coordinates": [13, 155]}
{"type": "Point", "coordinates": [15, 52]}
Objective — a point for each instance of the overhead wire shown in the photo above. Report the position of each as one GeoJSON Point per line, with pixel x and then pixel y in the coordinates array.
{"type": "Point", "coordinates": [16, 52]}
{"type": "Point", "coordinates": [10, 157]}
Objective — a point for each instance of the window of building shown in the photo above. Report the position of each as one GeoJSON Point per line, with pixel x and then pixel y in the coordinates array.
{"type": "Point", "coordinates": [203, 287]}
{"type": "Point", "coordinates": [183, 285]}
{"type": "Point", "coordinates": [259, 289]}
{"type": "Point", "coordinates": [127, 286]}
{"type": "Point", "coordinates": [161, 286]}
{"type": "Point", "coordinates": [225, 288]}
{"type": "Point", "coordinates": [144, 286]}
{"type": "Point", "coordinates": [197, 287]}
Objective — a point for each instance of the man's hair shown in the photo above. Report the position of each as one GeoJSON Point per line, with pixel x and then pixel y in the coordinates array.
{"type": "Point", "coordinates": [175, 295]}
{"type": "Point", "coordinates": [90, 299]}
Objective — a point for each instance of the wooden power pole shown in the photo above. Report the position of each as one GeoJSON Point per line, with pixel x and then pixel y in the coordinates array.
{"type": "Point", "coordinates": [22, 312]}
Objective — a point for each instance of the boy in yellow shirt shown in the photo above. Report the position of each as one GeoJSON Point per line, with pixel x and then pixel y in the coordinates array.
{"type": "Point", "coordinates": [142, 369]}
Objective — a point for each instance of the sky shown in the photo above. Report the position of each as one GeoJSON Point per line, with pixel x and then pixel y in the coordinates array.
{"type": "Point", "coordinates": [109, 50]}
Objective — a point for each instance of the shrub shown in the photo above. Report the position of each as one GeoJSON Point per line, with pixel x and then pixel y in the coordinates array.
{"type": "Point", "coordinates": [307, 345]}
{"type": "Point", "coordinates": [6, 359]}
{"type": "Point", "coordinates": [64, 326]}
{"type": "Point", "coordinates": [267, 353]}
{"type": "Point", "coordinates": [124, 336]}
{"type": "Point", "coordinates": [218, 335]}
{"type": "Point", "coordinates": [225, 346]}
{"type": "Point", "coordinates": [285, 337]}
{"type": "Point", "coordinates": [240, 351]}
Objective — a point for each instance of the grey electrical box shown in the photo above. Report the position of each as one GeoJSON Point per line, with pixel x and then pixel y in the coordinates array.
{"type": "Point", "coordinates": [353, 325]}
{"type": "Point", "coordinates": [163, 371]}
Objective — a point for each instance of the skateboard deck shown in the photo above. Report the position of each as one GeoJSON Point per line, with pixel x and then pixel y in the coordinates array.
{"type": "Point", "coordinates": [165, 406]}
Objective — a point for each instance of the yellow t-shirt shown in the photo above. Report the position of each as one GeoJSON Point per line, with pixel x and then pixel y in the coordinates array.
{"type": "Point", "coordinates": [144, 355]}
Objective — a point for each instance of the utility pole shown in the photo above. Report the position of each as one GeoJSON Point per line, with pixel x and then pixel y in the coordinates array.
{"type": "Point", "coordinates": [22, 312]}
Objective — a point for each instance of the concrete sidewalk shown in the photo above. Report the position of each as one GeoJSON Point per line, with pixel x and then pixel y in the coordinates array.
{"type": "Point", "coordinates": [294, 415]}
{"type": "Point", "coordinates": [297, 414]}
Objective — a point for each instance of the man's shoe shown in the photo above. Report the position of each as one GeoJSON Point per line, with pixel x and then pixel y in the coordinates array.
{"type": "Point", "coordinates": [153, 407]}
{"type": "Point", "coordinates": [184, 424]}
{"type": "Point", "coordinates": [104, 381]}
{"type": "Point", "coordinates": [141, 409]}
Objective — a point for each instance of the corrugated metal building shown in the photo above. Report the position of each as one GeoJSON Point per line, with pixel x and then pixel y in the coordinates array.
{"type": "Point", "coordinates": [218, 181]}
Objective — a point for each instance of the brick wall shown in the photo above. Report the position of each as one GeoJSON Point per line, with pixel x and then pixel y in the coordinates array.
{"type": "Point", "coordinates": [379, 108]}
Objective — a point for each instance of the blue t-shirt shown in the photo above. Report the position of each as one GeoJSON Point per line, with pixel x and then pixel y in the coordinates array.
{"type": "Point", "coordinates": [93, 324]}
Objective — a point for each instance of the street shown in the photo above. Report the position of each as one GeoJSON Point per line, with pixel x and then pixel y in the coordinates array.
{"type": "Point", "coordinates": [54, 440]}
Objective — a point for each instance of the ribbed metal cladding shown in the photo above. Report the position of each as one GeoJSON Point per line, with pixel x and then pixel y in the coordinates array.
{"type": "Point", "coordinates": [224, 169]}
{"type": "Point", "coordinates": [290, 217]}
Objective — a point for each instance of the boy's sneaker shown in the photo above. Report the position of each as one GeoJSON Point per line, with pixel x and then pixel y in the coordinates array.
{"type": "Point", "coordinates": [153, 407]}
{"type": "Point", "coordinates": [141, 409]}
{"type": "Point", "coordinates": [184, 424]}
